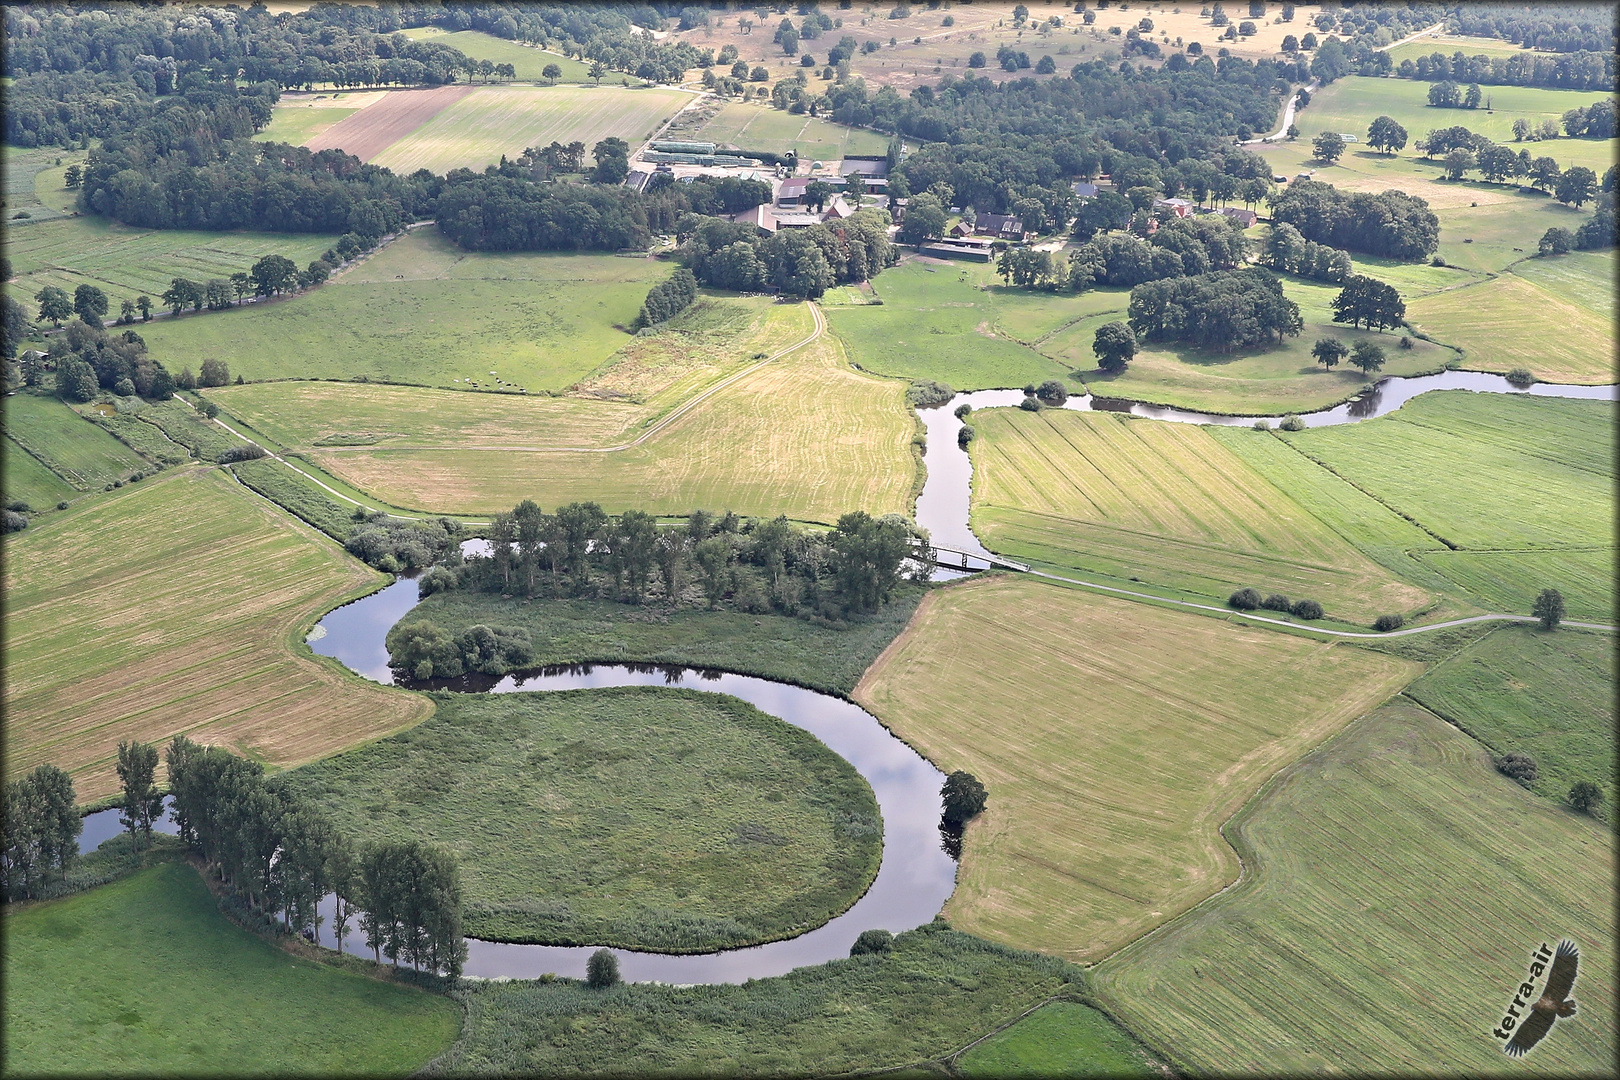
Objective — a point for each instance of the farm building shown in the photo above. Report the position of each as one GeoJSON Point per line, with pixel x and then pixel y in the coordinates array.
{"type": "Point", "coordinates": [1240, 217]}
{"type": "Point", "coordinates": [1001, 226]}
{"type": "Point", "coordinates": [972, 248]}
{"type": "Point", "coordinates": [1182, 208]}
{"type": "Point", "coordinates": [791, 193]}
{"type": "Point", "coordinates": [1084, 189]}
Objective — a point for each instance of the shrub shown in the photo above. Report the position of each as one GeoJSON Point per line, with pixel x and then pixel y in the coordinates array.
{"type": "Point", "coordinates": [15, 522]}
{"type": "Point", "coordinates": [962, 410]}
{"type": "Point", "coordinates": [602, 970]}
{"type": "Point", "coordinates": [124, 388]}
{"type": "Point", "coordinates": [249, 452]}
{"type": "Point", "coordinates": [929, 392]}
{"type": "Point", "coordinates": [1520, 767]}
{"type": "Point", "coordinates": [1244, 600]}
{"type": "Point", "coordinates": [965, 435]}
{"type": "Point", "coordinates": [964, 797]}
{"type": "Point", "coordinates": [1292, 423]}
{"type": "Point", "coordinates": [1030, 404]}
{"type": "Point", "coordinates": [62, 505]}
{"type": "Point", "coordinates": [872, 941]}
{"type": "Point", "coordinates": [1521, 377]}
{"type": "Point", "coordinates": [1385, 623]}
{"type": "Point", "coordinates": [1585, 796]}
{"type": "Point", "coordinates": [1306, 609]}
{"type": "Point", "coordinates": [1277, 602]}
{"type": "Point", "coordinates": [1262, 425]}
{"type": "Point", "coordinates": [19, 506]}
{"type": "Point", "coordinates": [1052, 392]}
{"type": "Point", "coordinates": [1406, 342]}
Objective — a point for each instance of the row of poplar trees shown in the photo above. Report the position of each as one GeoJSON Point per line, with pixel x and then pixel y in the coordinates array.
{"type": "Point", "coordinates": [281, 854]}
{"type": "Point", "coordinates": [40, 827]}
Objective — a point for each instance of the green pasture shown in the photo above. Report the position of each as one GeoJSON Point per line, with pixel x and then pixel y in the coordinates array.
{"type": "Point", "coordinates": [769, 646]}
{"type": "Point", "coordinates": [1397, 887]}
{"type": "Point", "coordinates": [1449, 44]}
{"type": "Point", "coordinates": [760, 127]}
{"type": "Point", "coordinates": [126, 262]}
{"type": "Point", "coordinates": [936, 992]}
{"type": "Point", "coordinates": [936, 322]}
{"type": "Point", "coordinates": [639, 817]}
{"type": "Point", "coordinates": [1509, 581]}
{"type": "Point", "coordinates": [26, 479]}
{"type": "Point", "coordinates": [68, 445]}
{"type": "Point", "coordinates": [145, 976]}
{"type": "Point", "coordinates": [492, 121]}
{"type": "Point", "coordinates": [1550, 695]}
{"type": "Point", "coordinates": [1546, 315]}
{"type": "Point", "coordinates": [36, 184]}
{"type": "Point", "coordinates": [1064, 1038]}
{"type": "Point", "coordinates": [1163, 503]}
{"type": "Point", "coordinates": [297, 123]}
{"type": "Point", "coordinates": [420, 311]}
{"type": "Point", "coordinates": [168, 431]}
{"type": "Point", "coordinates": [529, 62]}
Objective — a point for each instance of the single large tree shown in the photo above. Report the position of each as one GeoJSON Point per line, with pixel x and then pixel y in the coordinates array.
{"type": "Point", "coordinates": [1367, 300]}
{"type": "Point", "coordinates": [1385, 134]}
{"type": "Point", "coordinates": [1577, 186]}
{"type": "Point", "coordinates": [1329, 147]}
{"type": "Point", "coordinates": [551, 73]}
{"type": "Point", "coordinates": [91, 303]}
{"type": "Point", "coordinates": [274, 274]}
{"type": "Point", "coordinates": [143, 804]}
{"type": "Point", "coordinates": [54, 304]}
{"type": "Point", "coordinates": [1329, 351]}
{"type": "Point", "coordinates": [1549, 608]}
{"type": "Point", "coordinates": [1368, 356]}
{"type": "Point", "coordinates": [925, 220]}
{"type": "Point", "coordinates": [1115, 346]}
{"type": "Point", "coordinates": [1585, 796]}
{"type": "Point", "coordinates": [964, 798]}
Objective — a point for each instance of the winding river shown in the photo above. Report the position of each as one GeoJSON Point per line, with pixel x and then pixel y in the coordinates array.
{"type": "Point", "coordinates": [916, 876]}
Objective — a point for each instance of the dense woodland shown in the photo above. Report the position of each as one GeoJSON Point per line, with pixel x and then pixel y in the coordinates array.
{"type": "Point", "coordinates": [1390, 223]}
{"type": "Point", "coordinates": [1221, 311]}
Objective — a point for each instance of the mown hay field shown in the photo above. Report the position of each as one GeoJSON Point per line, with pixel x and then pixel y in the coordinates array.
{"type": "Point", "coordinates": [529, 62]}
{"type": "Point", "coordinates": [1163, 502]}
{"type": "Point", "coordinates": [1064, 1038]}
{"type": "Point", "coordinates": [65, 443]}
{"type": "Point", "coordinates": [803, 436]}
{"type": "Point", "coordinates": [26, 479]}
{"type": "Point", "coordinates": [1553, 317]}
{"type": "Point", "coordinates": [421, 311]}
{"type": "Point", "coordinates": [125, 262]}
{"type": "Point", "coordinates": [1397, 887]}
{"type": "Point", "coordinates": [478, 128]}
{"type": "Point", "coordinates": [1113, 738]}
{"type": "Point", "coordinates": [760, 127]}
{"type": "Point", "coordinates": [174, 606]}
{"type": "Point", "coordinates": [640, 817]}
{"type": "Point", "coordinates": [1550, 695]}
{"type": "Point", "coordinates": [82, 998]}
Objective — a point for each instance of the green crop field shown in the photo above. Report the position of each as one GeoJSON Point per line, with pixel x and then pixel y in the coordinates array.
{"type": "Point", "coordinates": [125, 262]}
{"type": "Point", "coordinates": [1525, 691]}
{"type": "Point", "coordinates": [1064, 1038]}
{"type": "Point", "coordinates": [1113, 738]}
{"type": "Point", "coordinates": [528, 61]}
{"type": "Point", "coordinates": [760, 127]}
{"type": "Point", "coordinates": [1281, 379]}
{"type": "Point", "coordinates": [297, 121]}
{"type": "Point", "coordinates": [936, 322]}
{"type": "Point", "coordinates": [1397, 888]}
{"type": "Point", "coordinates": [770, 646]}
{"type": "Point", "coordinates": [422, 311]}
{"type": "Point", "coordinates": [195, 593]}
{"type": "Point", "coordinates": [145, 976]}
{"type": "Point", "coordinates": [641, 817]}
{"type": "Point", "coordinates": [749, 448]}
{"type": "Point", "coordinates": [66, 443]}
{"type": "Point", "coordinates": [936, 992]}
{"type": "Point", "coordinates": [1545, 316]}
{"type": "Point", "coordinates": [495, 120]}
{"type": "Point", "coordinates": [1165, 503]}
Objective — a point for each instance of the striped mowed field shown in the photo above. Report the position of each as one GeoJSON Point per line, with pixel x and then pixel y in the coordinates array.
{"type": "Point", "coordinates": [173, 606]}
{"type": "Point", "coordinates": [1164, 502]}
{"type": "Point", "coordinates": [1397, 887]}
{"type": "Point", "coordinates": [1113, 738]}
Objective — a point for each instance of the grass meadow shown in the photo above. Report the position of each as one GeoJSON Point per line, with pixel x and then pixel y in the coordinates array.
{"type": "Point", "coordinates": [529, 62]}
{"type": "Point", "coordinates": [1064, 1038]}
{"type": "Point", "coordinates": [639, 817]}
{"type": "Point", "coordinates": [1396, 888]}
{"type": "Point", "coordinates": [146, 976]}
{"type": "Point", "coordinates": [298, 118]}
{"type": "Point", "coordinates": [1113, 738]}
{"type": "Point", "coordinates": [64, 443]}
{"type": "Point", "coordinates": [26, 479]}
{"type": "Point", "coordinates": [35, 184]}
{"type": "Point", "coordinates": [502, 120]}
{"type": "Point", "coordinates": [760, 127]}
{"type": "Point", "coordinates": [1549, 316]}
{"type": "Point", "coordinates": [936, 992]}
{"type": "Point", "coordinates": [126, 262]}
{"type": "Point", "coordinates": [1164, 502]}
{"type": "Point", "coordinates": [803, 436]}
{"type": "Point", "coordinates": [421, 311]}
{"type": "Point", "coordinates": [1549, 695]}
{"type": "Point", "coordinates": [174, 606]}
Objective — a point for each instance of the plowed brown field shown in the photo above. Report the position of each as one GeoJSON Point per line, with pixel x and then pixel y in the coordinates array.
{"type": "Point", "coordinates": [374, 129]}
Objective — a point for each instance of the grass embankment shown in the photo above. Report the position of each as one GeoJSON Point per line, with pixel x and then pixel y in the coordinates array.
{"type": "Point", "coordinates": [126, 262]}
{"type": "Point", "coordinates": [529, 62]}
{"type": "Point", "coordinates": [760, 127]}
{"type": "Point", "coordinates": [1114, 738]}
{"type": "Point", "coordinates": [1524, 691]}
{"type": "Point", "coordinates": [1123, 498]}
{"type": "Point", "coordinates": [1397, 888]}
{"type": "Point", "coordinates": [492, 121]}
{"type": "Point", "coordinates": [1521, 488]}
{"type": "Point", "coordinates": [422, 311]}
{"type": "Point", "coordinates": [1064, 1038]}
{"type": "Point", "coordinates": [173, 606]}
{"type": "Point", "coordinates": [778, 647]}
{"type": "Point", "coordinates": [640, 817]}
{"type": "Point", "coordinates": [298, 496]}
{"type": "Point", "coordinates": [146, 976]}
{"type": "Point", "coordinates": [936, 992]}
{"type": "Point", "coordinates": [749, 447]}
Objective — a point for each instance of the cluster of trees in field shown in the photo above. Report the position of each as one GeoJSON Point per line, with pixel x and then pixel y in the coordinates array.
{"type": "Point", "coordinates": [798, 262]}
{"type": "Point", "coordinates": [667, 299]}
{"type": "Point", "coordinates": [1220, 311]}
{"type": "Point", "coordinates": [1462, 151]}
{"type": "Point", "coordinates": [423, 650]}
{"type": "Point", "coordinates": [1366, 300]}
{"type": "Point", "coordinates": [281, 855]}
{"type": "Point", "coordinates": [1250, 600]}
{"type": "Point", "coordinates": [745, 564]}
{"type": "Point", "coordinates": [1388, 223]}
{"type": "Point", "coordinates": [86, 360]}
{"type": "Point", "coordinates": [501, 213]}
{"type": "Point", "coordinates": [1366, 355]}
{"type": "Point", "coordinates": [1287, 250]}
{"type": "Point", "coordinates": [393, 544]}
{"type": "Point", "coordinates": [1573, 71]}
{"type": "Point", "coordinates": [41, 832]}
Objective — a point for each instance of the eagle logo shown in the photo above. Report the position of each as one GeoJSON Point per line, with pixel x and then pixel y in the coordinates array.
{"type": "Point", "coordinates": [1553, 1003]}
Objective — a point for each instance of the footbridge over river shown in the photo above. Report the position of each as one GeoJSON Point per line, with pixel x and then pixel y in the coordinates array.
{"type": "Point", "coordinates": [952, 559]}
